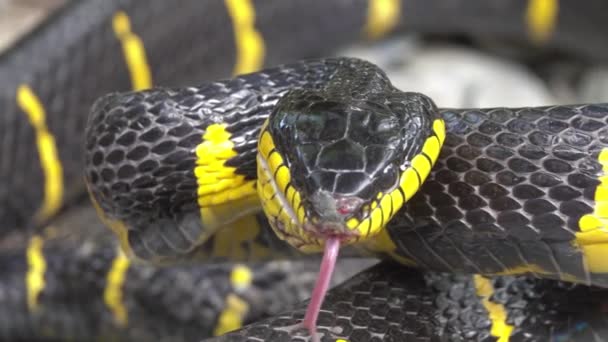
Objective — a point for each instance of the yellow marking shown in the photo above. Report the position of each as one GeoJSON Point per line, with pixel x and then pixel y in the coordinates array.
{"type": "Point", "coordinates": [292, 217]}
{"type": "Point", "coordinates": [382, 243]}
{"type": "Point", "coordinates": [409, 183]}
{"type": "Point", "coordinates": [275, 161]}
{"type": "Point", "coordinates": [536, 271]}
{"type": "Point", "coordinates": [34, 279]}
{"type": "Point", "coordinates": [221, 215]}
{"type": "Point", "coordinates": [593, 236]}
{"type": "Point", "coordinates": [386, 203]}
{"type": "Point", "coordinates": [422, 165]}
{"type": "Point", "coordinates": [273, 207]}
{"type": "Point", "coordinates": [373, 205]}
{"type": "Point", "coordinates": [496, 312]}
{"type": "Point", "coordinates": [352, 223]}
{"type": "Point", "coordinates": [250, 49]}
{"type": "Point", "coordinates": [283, 178]}
{"type": "Point", "coordinates": [112, 295]}
{"type": "Point", "coordinates": [596, 254]}
{"type": "Point", "coordinates": [301, 214]}
{"type": "Point", "coordinates": [382, 17]}
{"type": "Point", "coordinates": [409, 179]}
{"type": "Point", "coordinates": [439, 129]}
{"type": "Point", "coordinates": [230, 242]}
{"type": "Point", "coordinates": [431, 148]}
{"type": "Point", "coordinates": [523, 269]}
{"type": "Point", "coordinates": [603, 159]}
{"type": "Point", "coordinates": [378, 218]}
{"type": "Point", "coordinates": [541, 17]}
{"type": "Point", "coordinates": [47, 151]}
{"type": "Point", "coordinates": [232, 317]}
{"type": "Point", "coordinates": [341, 340]}
{"type": "Point", "coordinates": [116, 226]}
{"type": "Point", "coordinates": [284, 208]}
{"type": "Point", "coordinates": [134, 52]}
{"type": "Point", "coordinates": [241, 277]}
{"type": "Point", "coordinates": [590, 223]}
{"type": "Point", "coordinates": [218, 183]}
{"type": "Point", "coordinates": [397, 200]}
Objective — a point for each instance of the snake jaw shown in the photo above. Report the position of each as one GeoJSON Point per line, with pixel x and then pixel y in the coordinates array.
{"type": "Point", "coordinates": [324, 231]}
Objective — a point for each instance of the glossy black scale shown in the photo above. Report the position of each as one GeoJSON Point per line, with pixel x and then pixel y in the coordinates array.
{"type": "Point", "coordinates": [349, 139]}
{"type": "Point", "coordinates": [389, 303]}
{"type": "Point", "coordinates": [140, 149]}
{"type": "Point", "coordinates": [508, 192]}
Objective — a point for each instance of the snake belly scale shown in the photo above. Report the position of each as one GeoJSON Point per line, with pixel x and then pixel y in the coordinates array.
{"type": "Point", "coordinates": [514, 191]}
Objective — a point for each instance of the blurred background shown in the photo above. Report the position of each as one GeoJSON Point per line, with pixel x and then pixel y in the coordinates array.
{"type": "Point", "coordinates": [454, 71]}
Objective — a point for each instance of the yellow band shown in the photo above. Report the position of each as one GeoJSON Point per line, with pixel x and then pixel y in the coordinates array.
{"type": "Point", "coordinates": [382, 17]}
{"type": "Point", "coordinates": [47, 150]}
{"type": "Point", "coordinates": [113, 295]}
{"type": "Point", "coordinates": [593, 236]}
{"type": "Point", "coordinates": [497, 313]}
{"type": "Point", "coordinates": [134, 51]}
{"type": "Point", "coordinates": [541, 17]}
{"type": "Point", "coordinates": [34, 279]}
{"type": "Point", "coordinates": [232, 317]}
{"type": "Point", "coordinates": [250, 49]}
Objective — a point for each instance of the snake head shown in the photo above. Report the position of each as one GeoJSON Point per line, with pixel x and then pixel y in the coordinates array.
{"type": "Point", "coordinates": [341, 167]}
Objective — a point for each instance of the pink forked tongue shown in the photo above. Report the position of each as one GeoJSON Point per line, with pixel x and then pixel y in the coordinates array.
{"type": "Point", "coordinates": [330, 255]}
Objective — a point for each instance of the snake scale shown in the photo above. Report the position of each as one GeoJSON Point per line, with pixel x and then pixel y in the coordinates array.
{"type": "Point", "coordinates": [43, 88]}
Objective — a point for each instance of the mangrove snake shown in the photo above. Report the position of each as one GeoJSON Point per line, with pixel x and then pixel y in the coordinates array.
{"type": "Point", "coordinates": [94, 47]}
{"type": "Point", "coordinates": [339, 152]}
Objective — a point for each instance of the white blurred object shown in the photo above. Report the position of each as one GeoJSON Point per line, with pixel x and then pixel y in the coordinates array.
{"type": "Point", "coordinates": [594, 85]}
{"type": "Point", "coordinates": [456, 77]}
{"type": "Point", "coordinates": [17, 17]}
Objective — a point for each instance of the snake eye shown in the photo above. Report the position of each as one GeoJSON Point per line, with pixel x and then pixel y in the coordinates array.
{"type": "Point", "coordinates": [384, 125]}
{"type": "Point", "coordinates": [388, 178]}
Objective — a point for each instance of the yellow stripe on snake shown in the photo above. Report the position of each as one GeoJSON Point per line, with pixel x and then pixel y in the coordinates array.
{"type": "Point", "coordinates": [126, 51]}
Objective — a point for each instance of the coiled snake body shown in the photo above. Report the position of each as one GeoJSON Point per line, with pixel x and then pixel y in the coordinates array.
{"type": "Point", "coordinates": [94, 47]}
{"type": "Point", "coordinates": [515, 190]}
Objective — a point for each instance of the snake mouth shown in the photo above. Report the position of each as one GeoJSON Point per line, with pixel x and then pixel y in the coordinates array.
{"type": "Point", "coordinates": [289, 219]}
{"type": "Point", "coordinates": [331, 230]}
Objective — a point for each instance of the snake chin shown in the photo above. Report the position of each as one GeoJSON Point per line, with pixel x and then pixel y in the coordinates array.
{"type": "Point", "coordinates": [326, 230]}
{"type": "Point", "coordinates": [310, 238]}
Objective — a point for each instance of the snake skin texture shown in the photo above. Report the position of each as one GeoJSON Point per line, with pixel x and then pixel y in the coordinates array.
{"type": "Point", "coordinates": [183, 303]}
{"type": "Point", "coordinates": [83, 59]}
{"type": "Point", "coordinates": [388, 303]}
{"type": "Point", "coordinates": [509, 193]}
{"type": "Point", "coordinates": [509, 190]}
{"type": "Point", "coordinates": [340, 145]}
{"type": "Point", "coordinates": [140, 159]}
{"type": "Point", "coordinates": [74, 57]}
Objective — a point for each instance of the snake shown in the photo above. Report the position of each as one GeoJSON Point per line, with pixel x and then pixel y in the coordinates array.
{"type": "Point", "coordinates": [338, 151]}
{"type": "Point", "coordinates": [45, 102]}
